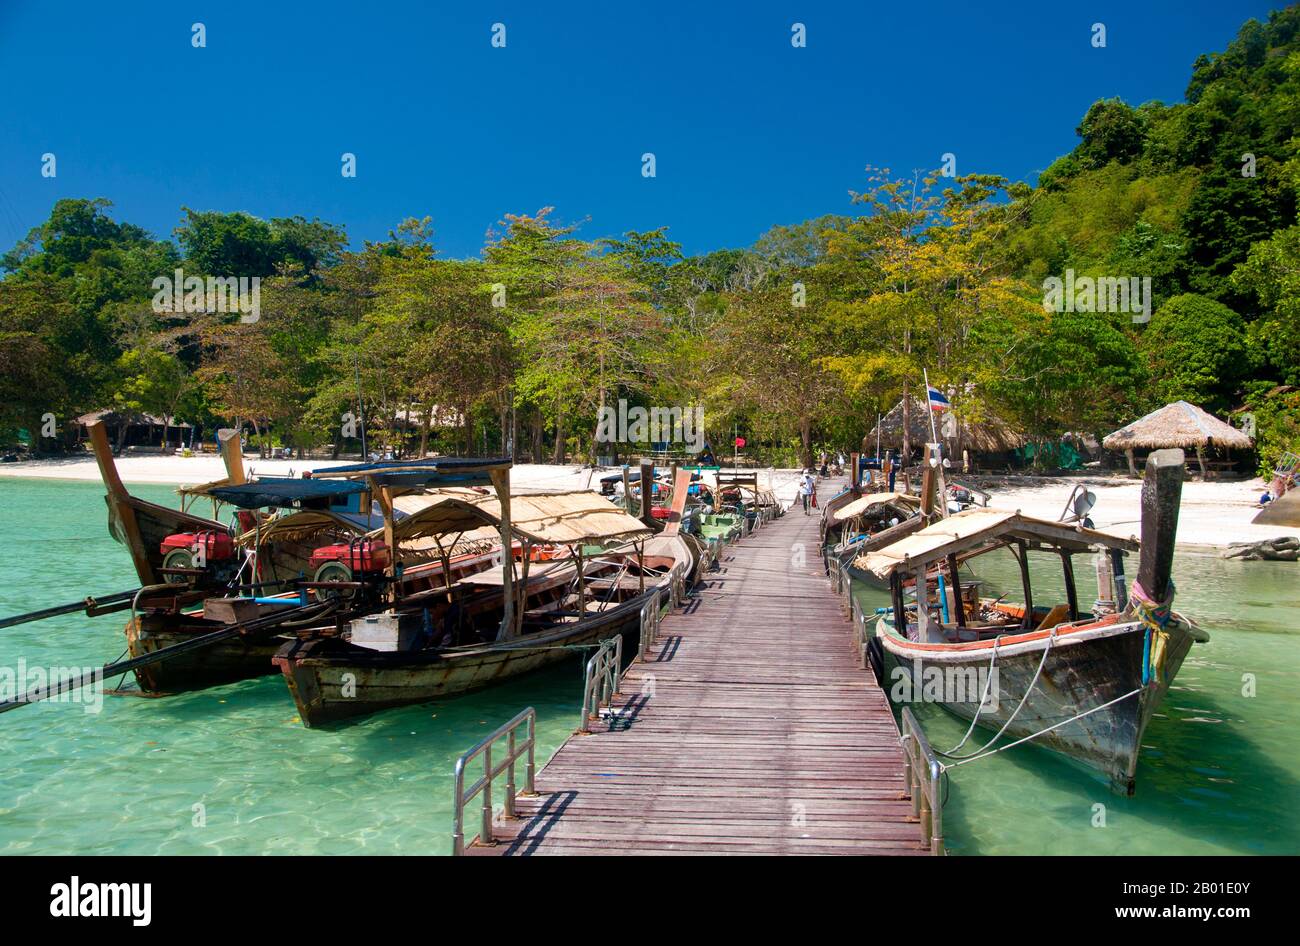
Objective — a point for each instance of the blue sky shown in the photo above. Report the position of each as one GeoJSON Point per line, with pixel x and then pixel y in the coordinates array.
{"type": "Point", "coordinates": [747, 130]}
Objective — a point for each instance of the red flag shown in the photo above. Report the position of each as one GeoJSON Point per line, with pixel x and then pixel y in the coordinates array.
{"type": "Point", "coordinates": [740, 441]}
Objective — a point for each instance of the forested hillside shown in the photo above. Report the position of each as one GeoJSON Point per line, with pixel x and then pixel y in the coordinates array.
{"type": "Point", "coordinates": [797, 341]}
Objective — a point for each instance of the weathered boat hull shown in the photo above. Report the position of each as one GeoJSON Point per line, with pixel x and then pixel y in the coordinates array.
{"type": "Point", "coordinates": [238, 658]}
{"type": "Point", "coordinates": [847, 558]}
{"type": "Point", "coordinates": [1283, 511]}
{"type": "Point", "coordinates": [223, 662]}
{"type": "Point", "coordinates": [1082, 671]}
{"type": "Point", "coordinates": [333, 680]}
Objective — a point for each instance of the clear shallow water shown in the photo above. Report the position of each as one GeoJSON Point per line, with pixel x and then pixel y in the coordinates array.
{"type": "Point", "coordinates": [1219, 771]}
{"type": "Point", "coordinates": [126, 780]}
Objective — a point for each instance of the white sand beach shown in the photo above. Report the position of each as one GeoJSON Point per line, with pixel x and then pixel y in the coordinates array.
{"type": "Point", "coordinates": [181, 471]}
{"type": "Point", "coordinates": [1213, 514]}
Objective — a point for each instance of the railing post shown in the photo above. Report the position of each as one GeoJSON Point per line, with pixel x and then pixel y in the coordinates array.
{"type": "Point", "coordinates": [458, 817]}
{"type": "Point", "coordinates": [530, 783]}
{"type": "Point", "coordinates": [583, 725]}
{"type": "Point", "coordinates": [936, 819]}
{"type": "Point", "coordinates": [490, 772]}
{"type": "Point", "coordinates": [486, 833]}
{"type": "Point", "coordinates": [510, 774]}
{"type": "Point", "coordinates": [923, 787]}
{"type": "Point", "coordinates": [923, 813]}
{"type": "Point", "coordinates": [618, 664]}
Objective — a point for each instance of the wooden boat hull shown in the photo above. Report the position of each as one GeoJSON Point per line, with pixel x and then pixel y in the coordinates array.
{"type": "Point", "coordinates": [1283, 511]}
{"type": "Point", "coordinates": [335, 680]}
{"type": "Point", "coordinates": [238, 658]}
{"type": "Point", "coordinates": [847, 558]}
{"type": "Point", "coordinates": [1083, 670]}
{"type": "Point", "coordinates": [224, 662]}
{"type": "Point", "coordinates": [830, 529]}
{"type": "Point", "coordinates": [721, 527]}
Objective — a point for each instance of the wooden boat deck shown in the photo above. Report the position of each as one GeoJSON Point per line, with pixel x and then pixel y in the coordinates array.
{"type": "Point", "coordinates": [751, 729]}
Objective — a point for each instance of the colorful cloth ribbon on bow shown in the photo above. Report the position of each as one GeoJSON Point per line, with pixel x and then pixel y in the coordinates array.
{"type": "Point", "coordinates": [1155, 617]}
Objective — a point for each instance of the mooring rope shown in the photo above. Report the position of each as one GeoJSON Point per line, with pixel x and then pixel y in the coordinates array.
{"type": "Point", "coordinates": [1051, 640]}
{"type": "Point", "coordinates": [988, 682]}
{"type": "Point", "coordinates": [1012, 745]}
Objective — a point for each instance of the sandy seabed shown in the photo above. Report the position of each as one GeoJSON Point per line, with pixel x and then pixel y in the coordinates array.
{"type": "Point", "coordinates": [1213, 514]}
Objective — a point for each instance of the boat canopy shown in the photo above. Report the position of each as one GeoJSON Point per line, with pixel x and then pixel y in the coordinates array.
{"type": "Point", "coordinates": [428, 472]}
{"type": "Point", "coordinates": [558, 518]}
{"type": "Point", "coordinates": [307, 523]}
{"type": "Point", "coordinates": [902, 501]}
{"type": "Point", "coordinates": [407, 504]}
{"type": "Point", "coordinates": [982, 529]}
{"type": "Point", "coordinates": [286, 492]}
{"type": "Point", "coordinates": [203, 489]}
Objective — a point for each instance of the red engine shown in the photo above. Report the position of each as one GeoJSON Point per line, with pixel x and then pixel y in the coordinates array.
{"type": "Point", "coordinates": [660, 512]}
{"type": "Point", "coordinates": [203, 557]}
{"type": "Point", "coordinates": [217, 546]}
{"type": "Point", "coordinates": [364, 556]}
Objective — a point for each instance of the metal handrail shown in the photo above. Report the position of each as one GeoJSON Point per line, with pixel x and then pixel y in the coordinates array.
{"type": "Point", "coordinates": [601, 678]}
{"type": "Point", "coordinates": [649, 626]}
{"type": "Point", "coordinates": [846, 584]}
{"type": "Point", "coordinates": [484, 785]}
{"type": "Point", "coordinates": [860, 634]}
{"type": "Point", "coordinates": [923, 774]}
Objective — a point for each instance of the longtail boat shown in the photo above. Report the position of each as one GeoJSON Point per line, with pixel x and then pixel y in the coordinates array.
{"type": "Point", "coordinates": [1083, 683]}
{"type": "Point", "coordinates": [491, 626]}
{"type": "Point", "coordinates": [143, 527]}
{"type": "Point", "coordinates": [297, 551]}
{"type": "Point", "coordinates": [851, 527]}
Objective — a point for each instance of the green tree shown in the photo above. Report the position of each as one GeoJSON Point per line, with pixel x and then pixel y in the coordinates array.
{"type": "Point", "coordinates": [1196, 351]}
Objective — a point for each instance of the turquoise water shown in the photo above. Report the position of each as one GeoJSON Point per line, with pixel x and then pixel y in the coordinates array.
{"type": "Point", "coordinates": [126, 780]}
{"type": "Point", "coordinates": [1219, 771]}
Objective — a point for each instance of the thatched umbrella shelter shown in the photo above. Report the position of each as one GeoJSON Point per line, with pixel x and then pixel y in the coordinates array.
{"type": "Point", "coordinates": [992, 435]}
{"type": "Point", "coordinates": [1176, 425]}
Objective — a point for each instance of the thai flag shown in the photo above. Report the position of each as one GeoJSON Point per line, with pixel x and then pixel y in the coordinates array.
{"type": "Point", "coordinates": [938, 400]}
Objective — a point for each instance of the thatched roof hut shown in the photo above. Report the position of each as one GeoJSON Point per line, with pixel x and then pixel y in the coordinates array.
{"type": "Point", "coordinates": [992, 435]}
{"type": "Point", "coordinates": [1177, 425]}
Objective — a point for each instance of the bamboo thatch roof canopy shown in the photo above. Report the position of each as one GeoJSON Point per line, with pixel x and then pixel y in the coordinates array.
{"type": "Point", "coordinates": [982, 529]}
{"type": "Point", "coordinates": [1177, 425]}
{"type": "Point", "coordinates": [901, 501]}
{"type": "Point", "coordinates": [993, 435]}
{"type": "Point", "coordinates": [558, 517]}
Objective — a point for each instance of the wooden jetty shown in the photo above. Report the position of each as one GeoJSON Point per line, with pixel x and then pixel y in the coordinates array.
{"type": "Point", "coordinates": [751, 728]}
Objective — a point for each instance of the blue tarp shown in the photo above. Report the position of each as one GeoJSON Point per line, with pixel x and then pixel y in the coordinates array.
{"type": "Point", "coordinates": [436, 471]}
{"type": "Point", "coordinates": [284, 492]}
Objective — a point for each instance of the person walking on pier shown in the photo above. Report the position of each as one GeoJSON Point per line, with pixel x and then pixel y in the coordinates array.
{"type": "Point", "coordinates": [807, 490]}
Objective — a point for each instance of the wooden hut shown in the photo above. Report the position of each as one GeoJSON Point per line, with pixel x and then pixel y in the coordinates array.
{"type": "Point", "coordinates": [133, 428]}
{"type": "Point", "coordinates": [1177, 425]}
{"type": "Point", "coordinates": [989, 436]}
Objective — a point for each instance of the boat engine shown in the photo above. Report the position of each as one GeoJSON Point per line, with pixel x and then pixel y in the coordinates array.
{"type": "Point", "coordinates": [212, 553]}
{"type": "Point", "coordinates": [358, 560]}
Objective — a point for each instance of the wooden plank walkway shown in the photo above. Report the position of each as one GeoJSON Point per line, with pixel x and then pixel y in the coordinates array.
{"type": "Point", "coordinates": [751, 730]}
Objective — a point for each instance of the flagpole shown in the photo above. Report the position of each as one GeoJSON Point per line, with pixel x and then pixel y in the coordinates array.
{"type": "Point", "coordinates": [929, 408]}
